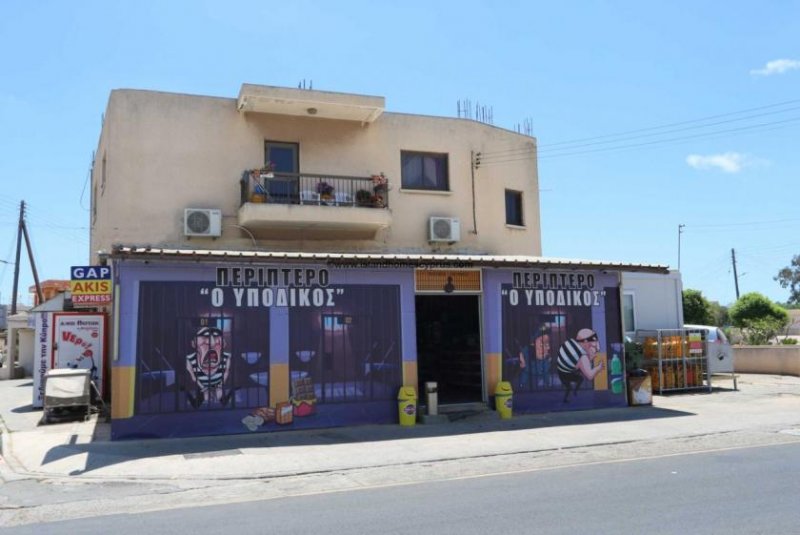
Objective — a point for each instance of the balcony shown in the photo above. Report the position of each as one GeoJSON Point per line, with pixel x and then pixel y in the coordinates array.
{"type": "Point", "coordinates": [311, 206]}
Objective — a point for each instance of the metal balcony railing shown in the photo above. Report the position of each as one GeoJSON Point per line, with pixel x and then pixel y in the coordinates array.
{"type": "Point", "coordinates": [314, 189]}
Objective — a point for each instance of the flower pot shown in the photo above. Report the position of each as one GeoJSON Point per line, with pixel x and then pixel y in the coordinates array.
{"type": "Point", "coordinates": [258, 197]}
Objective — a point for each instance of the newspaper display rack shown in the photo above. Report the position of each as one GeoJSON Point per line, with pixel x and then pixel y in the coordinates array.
{"type": "Point", "coordinates": [676, 359]}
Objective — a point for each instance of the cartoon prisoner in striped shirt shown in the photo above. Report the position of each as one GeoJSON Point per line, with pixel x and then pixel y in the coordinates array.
{"type": "Point", "coordinates": [574, 361]}
{"type": "Point", "coordinates": [208, 367]}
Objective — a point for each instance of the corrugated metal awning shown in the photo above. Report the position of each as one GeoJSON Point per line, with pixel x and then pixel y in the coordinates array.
{"type": "Point", "coordinates": [368, 259]}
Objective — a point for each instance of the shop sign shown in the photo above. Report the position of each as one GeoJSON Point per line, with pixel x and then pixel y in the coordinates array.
{"type": "Point", "coordinates": [90, 286]}
{"type": "Point", "coordinates": [447, 280]}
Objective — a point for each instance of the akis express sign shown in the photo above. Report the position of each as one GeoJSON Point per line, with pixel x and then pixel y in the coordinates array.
{"type": "Point", "coordinates": [90, 285]}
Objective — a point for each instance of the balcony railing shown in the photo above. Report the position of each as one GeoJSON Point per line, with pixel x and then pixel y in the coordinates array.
{"type": "Point", "coordinates": [314, 189]}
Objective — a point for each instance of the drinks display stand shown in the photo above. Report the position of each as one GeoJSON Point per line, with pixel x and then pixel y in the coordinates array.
{"type": "Point", "coordinates": [676, 359]}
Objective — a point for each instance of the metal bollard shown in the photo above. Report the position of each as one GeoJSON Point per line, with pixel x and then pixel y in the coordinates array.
{"type": "Point", "coordinates": [432, 398]}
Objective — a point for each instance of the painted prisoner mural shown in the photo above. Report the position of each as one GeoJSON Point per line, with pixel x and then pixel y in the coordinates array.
{"type": "Point", "coordinates": [263, 349]}
{"type": "Point", "coordinates": [561, 340]}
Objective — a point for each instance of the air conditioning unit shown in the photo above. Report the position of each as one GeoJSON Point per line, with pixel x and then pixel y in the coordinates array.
{"type": "Point", "coordinates": [202, 222]}
{"type": "Point", "coordinates": [444, 229]}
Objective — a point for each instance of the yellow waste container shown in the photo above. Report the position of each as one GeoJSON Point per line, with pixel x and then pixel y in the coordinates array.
{"type": "Point", "coordinates": [503, 399]}
{"type": "Point", "coordinates": [407, 405]}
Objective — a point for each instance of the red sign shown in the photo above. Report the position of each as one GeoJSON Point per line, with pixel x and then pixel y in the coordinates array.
{"type": "Point", "coordinates": [91, 300]}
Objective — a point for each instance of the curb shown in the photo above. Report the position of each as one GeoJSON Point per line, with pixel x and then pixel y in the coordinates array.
{"type": "Point", "coordinates": [10, 468]}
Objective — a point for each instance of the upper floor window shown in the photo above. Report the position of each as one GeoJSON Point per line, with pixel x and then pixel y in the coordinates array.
{"type": "Point", "coordinates": [424, 170]}
{"type": "Point", "coordinates": [514, 208]}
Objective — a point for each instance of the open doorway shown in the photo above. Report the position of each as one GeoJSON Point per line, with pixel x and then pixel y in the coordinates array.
{"type": "Point", "coordinates": [449, 346]}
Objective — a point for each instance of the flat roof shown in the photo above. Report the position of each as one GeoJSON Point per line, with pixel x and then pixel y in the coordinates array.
{"type": "Point", "coordinates": [366, 259]}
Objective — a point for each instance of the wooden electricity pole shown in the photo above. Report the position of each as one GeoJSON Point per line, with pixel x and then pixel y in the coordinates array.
{"type": "Point", "coordinates": [22, 232]}
{"type": "Point", "coordinates": [735, 276]}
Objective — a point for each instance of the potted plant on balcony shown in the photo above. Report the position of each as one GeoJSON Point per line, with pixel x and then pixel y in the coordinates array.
{"type": "Point", "coordinates": [258, 193]}
{"type": "Point", "coordinates": [380, 184]}
{"type": "Point", "coordinates": [363, 198]}
{"type": "Point", "coordinates": [325, 191]}
{"type": "Point", "coordinates": [268, 171]}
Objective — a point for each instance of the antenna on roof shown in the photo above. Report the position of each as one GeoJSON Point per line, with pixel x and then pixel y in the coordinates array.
{"type": "Point", "coordinates": [481, 113]}
{"type": "Point", "coordinates": [525, 128]}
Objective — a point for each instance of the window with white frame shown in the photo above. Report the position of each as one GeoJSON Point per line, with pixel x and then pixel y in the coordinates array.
{"type": "Point", "coordinates": [628, 312]}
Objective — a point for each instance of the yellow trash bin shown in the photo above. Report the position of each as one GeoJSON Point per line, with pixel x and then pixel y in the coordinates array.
{"type": "Point", "coordinates": [407, 405]}
{"type": "Point", "coordinates": [503, 399]}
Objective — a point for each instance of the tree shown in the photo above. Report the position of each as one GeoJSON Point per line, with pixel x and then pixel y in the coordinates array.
{"type": "Point", "coordinates": [720, 314]}
{"type": "Point", "coordinates": [696, 309]}
{"type": "Point", "coordinates": [789, 277]}
{"type": "Point", "coordinates": [760, 318]}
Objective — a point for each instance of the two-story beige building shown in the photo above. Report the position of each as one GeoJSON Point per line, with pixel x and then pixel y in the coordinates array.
{"type": "Point", "coordinates": [160, 154]}
{"type": "Point", "coordinates": [290, 258]}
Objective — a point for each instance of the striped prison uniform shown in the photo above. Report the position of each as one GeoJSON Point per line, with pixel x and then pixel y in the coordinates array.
{"type": "Point", "coordinates": [209, 381]}
{"type": "Point", "coordinates": [568, 355]}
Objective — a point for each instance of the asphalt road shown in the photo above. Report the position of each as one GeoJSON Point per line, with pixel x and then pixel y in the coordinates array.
{"type": "Point", "coordinates": [746, 490]}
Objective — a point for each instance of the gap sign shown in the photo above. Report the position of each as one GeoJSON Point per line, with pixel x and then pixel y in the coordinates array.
{"type": "Point", "coordinates": [90, 285]}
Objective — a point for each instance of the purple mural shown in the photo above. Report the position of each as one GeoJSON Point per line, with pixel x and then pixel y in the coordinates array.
{"type": "Point", "coordinates": [262, 349]}
{"type": "Point", "coordinates": [196, 357]}
{"type": "Point", "coordinates": [561, 340]}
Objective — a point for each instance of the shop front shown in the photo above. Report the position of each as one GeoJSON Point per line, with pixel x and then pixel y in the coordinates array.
{"type": "Point", "coordinates": [220, 346]}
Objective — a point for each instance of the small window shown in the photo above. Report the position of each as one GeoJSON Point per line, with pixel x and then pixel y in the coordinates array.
{"type": "Point", "coordinates": [628, 313]}
{"type": "Point", "coordinates": [424, 170]}
{"type": "Point", "coordinates": [514, 208]}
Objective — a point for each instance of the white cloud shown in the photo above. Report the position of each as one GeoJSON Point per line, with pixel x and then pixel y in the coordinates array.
{"type": "Point", "coordinates": [777, 66]}
{"type": "Point", "coordinates": [730, 162]}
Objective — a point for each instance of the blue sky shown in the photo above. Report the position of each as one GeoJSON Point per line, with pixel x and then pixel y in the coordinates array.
{"type": "Point", "coordinates": [610, 73]}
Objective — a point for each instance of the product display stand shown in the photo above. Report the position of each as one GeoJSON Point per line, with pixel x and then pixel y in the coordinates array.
{"type": "Point", "coordinates": [676, 359]}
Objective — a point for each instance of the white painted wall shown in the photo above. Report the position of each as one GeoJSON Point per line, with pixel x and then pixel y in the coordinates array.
{"type": "Point", "coordinates": [658, 299]}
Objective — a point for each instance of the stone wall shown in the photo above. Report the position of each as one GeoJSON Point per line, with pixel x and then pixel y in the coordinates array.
{"type": "Point", "coordinates": [777, 360]}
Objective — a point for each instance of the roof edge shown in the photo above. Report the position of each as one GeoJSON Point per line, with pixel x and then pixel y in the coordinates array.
{"type": "Point", "coordinates": [343, 259]}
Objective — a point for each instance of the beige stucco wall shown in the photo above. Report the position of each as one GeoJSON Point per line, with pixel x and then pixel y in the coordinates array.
{"type": "Point", "coordinates": [777, 360]}
{"type": "Point", "coordinates": [165, 152]}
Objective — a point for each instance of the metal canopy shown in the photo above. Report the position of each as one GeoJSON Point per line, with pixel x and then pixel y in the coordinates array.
{"type": "Point", "coordinates": [366, 259]}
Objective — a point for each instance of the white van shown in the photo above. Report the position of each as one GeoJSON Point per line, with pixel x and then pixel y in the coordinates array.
{"type": "Point", "coordinates": [718, 349]}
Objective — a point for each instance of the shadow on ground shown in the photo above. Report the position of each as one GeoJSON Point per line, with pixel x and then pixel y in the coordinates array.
{"type": "Point", "coordinates": [102, 452]}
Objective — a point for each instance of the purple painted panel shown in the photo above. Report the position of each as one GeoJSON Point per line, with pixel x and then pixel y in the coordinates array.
{"type": "Point", "coordinates": [560, 337]}
{"type": "Point", "coordinates": [205, 339]}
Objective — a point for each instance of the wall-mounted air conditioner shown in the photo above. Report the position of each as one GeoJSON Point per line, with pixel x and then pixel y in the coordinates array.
{"type": "Point", "coordinates": [444, 229]}
{"type": "Point", "coordinates": [202, 222]}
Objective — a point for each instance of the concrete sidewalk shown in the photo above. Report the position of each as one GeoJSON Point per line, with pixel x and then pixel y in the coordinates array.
{"type": "Point", "coordinates": [764, 406]}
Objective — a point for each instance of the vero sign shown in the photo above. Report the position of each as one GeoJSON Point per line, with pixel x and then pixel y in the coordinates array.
{"type": "Point", "coordinates": [90, 285]}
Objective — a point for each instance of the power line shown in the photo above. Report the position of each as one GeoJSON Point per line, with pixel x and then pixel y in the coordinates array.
{"type": "Point", "coordinates": [747, 224]}
{"type": "Point", "coordinates": [586, 141]}
{"type": "Point", "coordinates": [679, 138]}
{"type": "Point", "coordinates": [669, 125]}
{"type": "Point", "coordinates": [544, 149]}
{"type": "Point", "coordinates": [670, 141]}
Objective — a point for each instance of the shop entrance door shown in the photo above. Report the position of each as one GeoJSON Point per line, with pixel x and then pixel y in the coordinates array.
{"type": "Point", "coordinates": [449, 346]}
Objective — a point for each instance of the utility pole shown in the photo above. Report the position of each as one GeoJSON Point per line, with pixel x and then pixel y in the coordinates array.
{"type": "Point", "coordinates": [735, 276]}
{"type": "Point", "coordinates": [22, 232]}
{"type": "Point", "coordinates": [680, 230]}
{"type": "Point", "coordinates": [16, 260]}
